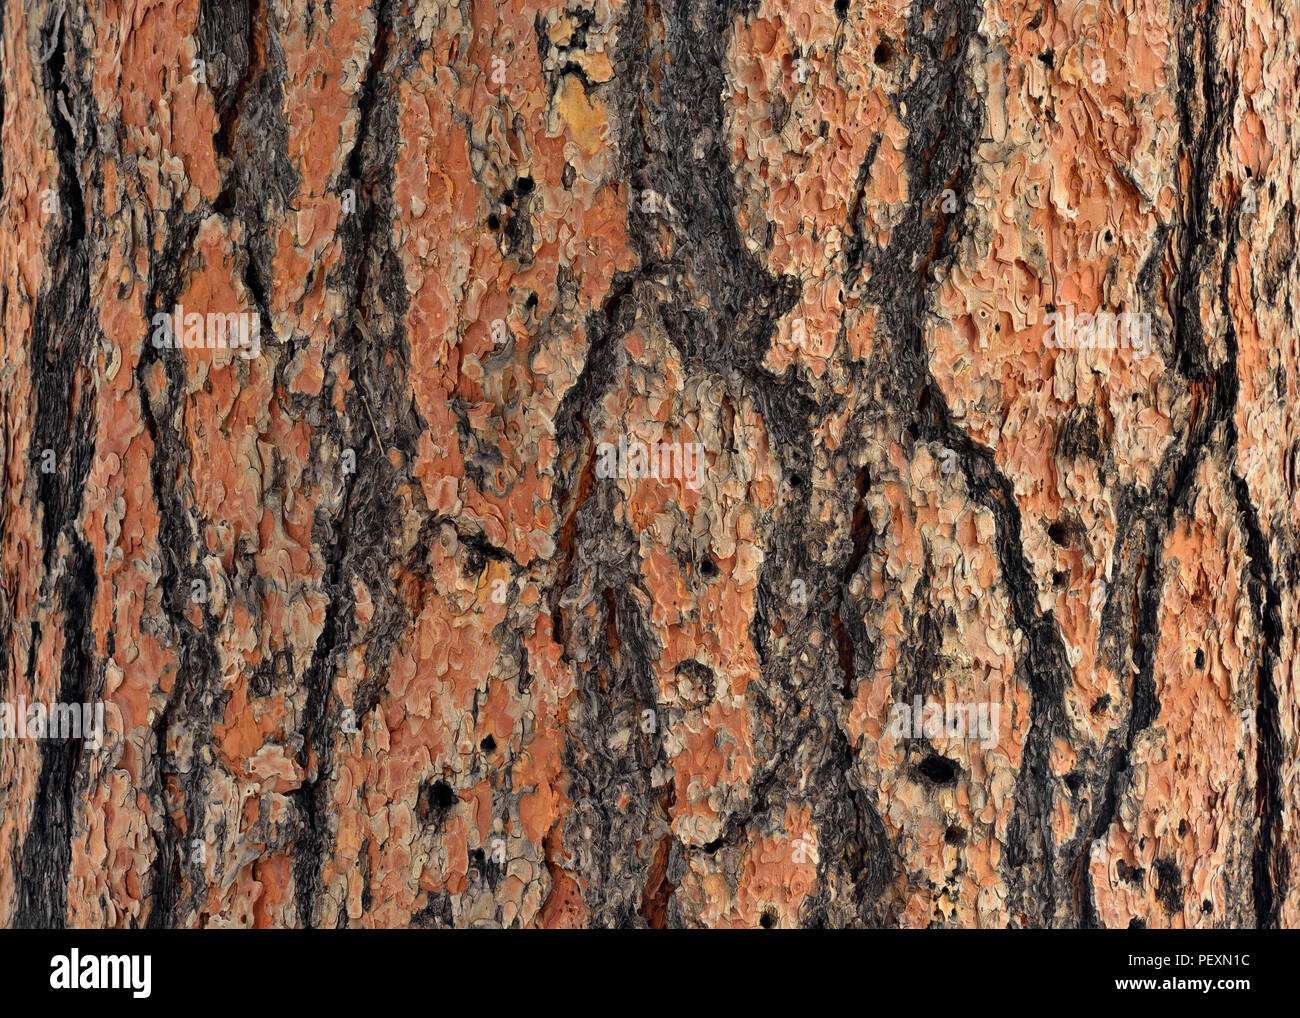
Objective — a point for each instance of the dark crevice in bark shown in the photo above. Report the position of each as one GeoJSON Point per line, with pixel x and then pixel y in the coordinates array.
{"type": "Point", "coordinates": [854, 848]}
{"type": "Point", "coordinates": [253, 138]}
{"type": "Point", "coordinates": [1211, 435]}
{"type": "Point", "coordinates": [47, 849]}
{"type": "Point", "coordinates": [1200, 133]}
{"type": "Point", "coordinates": [57, 83]}
{"type": "Point", "coordinates": [64, 418]}
{"type": "Point", "coordinates": [1143, 710]}
{"type": "Point", "coordinates": [684, 158]}
{"type": "Point", "coordinates": [358, 552]}
{"type": "Point", "coordinates": [732, 339]}
{"type": "Point", "coordinates": [229, 40]}
{"type": "Point", "coordinates": [573, 424]}
{"type": "Point", "coordinates": [227, 44]}
{"type": "Point", "coordinates": [61, 343]}
{"type": "Point", "coordinates": [729, 340]}
{"type": "Point", "coordinates": [944, 125]}
{"type": "Point", "coordinates": [1174, 488]}
{"type": "Point", "coordinates": [64, 336]}
{"type": "Point", "coordinates": [855, 250]}
{"type": "Point", "coordinates": [850, 635]}
{"type": "Point", "coordinates": [195, 700]}
{"type": "Point", "coordinates": [1269, 864]}
{"type": "Point", "coordinates": [616, 684]}
{"type": "Point", "coordinates": [596, 560]}
{"type": "Point", "coordinates": [658, 887]}
{"type": "Point", "coordinates": [616, 681]}
{"type": "Point", "coordinates": [358, 548]}
{"type": "Point", "coordinates": [764, 788]}
{"type": "Point", "coordinates": [370, 91]}
{"type": "Point", "coordinates": [190, 702]}
{"type": "Point", "coordinates": [1047, 672]}
{"type": "Point", "coordinates": [252, 142]}
{"type": "Point", "coordinates": [319, 727]}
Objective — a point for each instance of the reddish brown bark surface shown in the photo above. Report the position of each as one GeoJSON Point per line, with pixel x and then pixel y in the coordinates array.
{"type": "Point", "coordinates": [381, 638]}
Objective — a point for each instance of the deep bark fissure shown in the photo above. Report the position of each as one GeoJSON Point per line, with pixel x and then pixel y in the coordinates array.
{"type": "Point", "coordinates": [64, 336]}
{"type": "Point", "coordinates": [357, 549]}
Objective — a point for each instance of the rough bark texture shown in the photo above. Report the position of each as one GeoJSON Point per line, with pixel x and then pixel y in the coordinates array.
{"type": "Point", "coordinates": [821, 240]}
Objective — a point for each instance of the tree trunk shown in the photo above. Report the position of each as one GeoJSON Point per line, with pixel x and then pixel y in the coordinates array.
{"type": "Point", "coordinates": [670, 463]}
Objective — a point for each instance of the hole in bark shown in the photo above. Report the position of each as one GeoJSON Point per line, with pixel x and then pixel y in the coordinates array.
{"type": "Point", "coordinates": [1101, 705]}
{"type": "Point", "coordinates": [938, 769]}
{"type": "Point", "coordinates": [1109, 236]}
{"type": "Point", "coordinates": [1059, 533]}
{"type": "Point", "coordinates": [955, 835]}
{"type": "Point", "coordinates": [435, 802]}
{"type": "Point", "coordinates": [531, 302]}
{"type": "Point", "coordinates": [524, 185]}
{"type": "Point", "coordinates": [1169, 886]}
{"type": "Point", "coordinates": [696, 671]}
{"type": "Point", "coordinates": [768, 919]}
{"type": "Point", "coordinates": [841, 7]}
{"type": "Point", "coordinates": [1136, 924]}
{"type": "Point", "coordinates": [884, 54]}
{"type": "Point", "coordinates": [1207, 906]}
{"type": "Point", "coordinates": [1182, 828]}
{"type": "Point", "coordinates": [508, 199]}
{"type": "Point", "coordinates": [225, 203]}
{"type": "Point", "coordinates": [1048, 57]}
{"type": "Point", "coordinates": [1074, 781]}
{"type": "Point", "coordinates": [708, 568]}
{"type": "Point", "coordinates": [494, 222]}
{"type": "Point", "coordinates": [488, 745]}
{"type": "Point", "coordinates": [1200, 658]}
{"type": "Point", "coordinates": [1130, 874]}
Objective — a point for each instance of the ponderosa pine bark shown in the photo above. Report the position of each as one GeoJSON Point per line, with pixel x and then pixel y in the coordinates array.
{"type": "Point", "coordinates": [667, 463]}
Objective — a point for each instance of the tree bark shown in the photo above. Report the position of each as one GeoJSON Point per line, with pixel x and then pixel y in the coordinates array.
{"type": "Point", "coordinates": [978, 607]}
